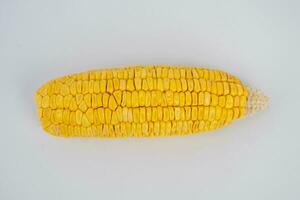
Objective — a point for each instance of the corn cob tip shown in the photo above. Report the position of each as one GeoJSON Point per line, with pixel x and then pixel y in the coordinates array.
{"type": "Point", "coordinates": [256, 101]}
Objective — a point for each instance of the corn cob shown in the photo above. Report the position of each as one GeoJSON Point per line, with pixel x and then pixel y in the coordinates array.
{"type": "Point", "coordinates": [143, 101]}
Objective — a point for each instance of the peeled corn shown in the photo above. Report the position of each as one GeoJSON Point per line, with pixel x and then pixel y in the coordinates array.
{"type": "Point", "coordinates": [144, 101]}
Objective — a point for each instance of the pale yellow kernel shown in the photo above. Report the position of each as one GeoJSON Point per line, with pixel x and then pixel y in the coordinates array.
{"type": "Point", "coordinates": [102, 85]}
{"type": "Point", "coordinates": [187, 113]}
{"type": "Point", "coordinates": [236, 113]}
{"type": "Point", "coordinates": [85, 122]}
{"type": "Point", "coordinates": [82, 106]}
{"type": "Point", "coordinates": [156, 128]}
{"type": "Point", "coordinates": [211, 75]}
{"type": "Point", "coordinates": [135, 99]}
{"type": "Point", "coordinates": [52, 102]}
{"type": "Point", "coordinates": [88, 100]}
{"type": "Point", "coordinates": [171, 113]}
{"type": "Point", "coordinates": [226, 88]}
{"type": "Point", "coordinates": [214, 89]}
{"type": "Point", "coordinates": [112, 104]}
{"type": "Point", "coordinates": [212, 113]}
{"type": "Point", "coordinates": [99, 99]}
{"type": "Point", "coordinates": [168, 128]}
{"type": "Point", "coordinates": [79, 86]}
{"type": "Point", "coordinates": [177, 113]}
{"type": "Point", "coordinates": [188, 98]}
{"type": "Point", "coordinates": [97, 87]}
{"type": "Point", "coordinates": [116, 84]}
{"type": "Point", "coordinates": [171, 73]}
{"type": "Point", "coordinates": [47, 113]}
{"type": "Point", "coordinates": [66, 116]}
{"type": "Point", "coordinates": [148, 99]}
{"type": "Point", "coordinates": [194, 113]}
{"type": "Point", "coordinates": [176, 99]}
{"type": "Point", "coordinates": [182, 114]}
{"type": "Point", "coordinates": [201, 98]}
{"type": "Point", "coordinates": [38, 100]}
{"type": "Point", "coordinates": [73, 118]}
{"type": "Point", "coordinates": [189, 73]}
{"type": "Point", "coordinates": [130, 73]}
{"type": "Point", "coordinates": [123, 84]}
{"type": "Point", "coordinates": [91, 86]}
{"type": "Point", "coordinates": [181, 98]}
{"type": "Point", "coordinates": [173, 85]}
{"type": "Point", "coordinates": [229, 101]}
{"type": "Point", "coordinates": [166, 114]}
{"type": "Point", "coordinates": [144, 85]}
{"type": "Point", "coordinates": [105, 98]}
{"type": "Point", "coordinates": [107, 116]}
{"type": "Point", "coordinates": [118, 96]}
{"type": "Point", "coordinates": [214, 100]}
{"type": "Point", "coordinates": [154, 114]}
{"type": "Point", "coordinates": [85, 87]}
{"type": "Point", "coordinates": [142, 115]}
{"type": "Point", "coordinates": [130, 115]}
{"type": "Point", "coordinates": [197, 87]}
{"type": "Point", "coordinates": [96, 117]}
{"type": "Point", "coordinates": [169, 97]}
{"type": "Point", "coordinates": [194, 98]}
{"type": "Point", "coordinates": [184, 85]}
{"type": "Point", "coordinates": [220, 88]}
{"type": "Point", "coordinates": [59, 101]}
{"type": "Point", "coordinates": [242, 112]}
{"type": "Point", "coordinates": [203, 84]}
{"type": "Point", "coordinates": [162, 128]}
{"type": "Point", "coordinates": [158, 72]}
{"type": "Point", "coordinates": [208, 86]}
{"type": "Point", "coordinates": [200, 112]}
{"type": "Point", "coordinates": [222, 101]}
{"type": "Point", "coordinates": [45, 101]}
{"type": "Point", "coordinates": [239, 89]}
{"type": "Point", "coordinates": [176, 73]}
{"type": "Point", "coordinates": [160, 85]}
{"type": "Point", "coordinates": [218, 112]}
{"type": "Point", "coordinates": [195, 74]}
{"type": "Point", "coordinates": [148, 114]}
{"type": "Point", "coordinates": [224, 115]}
{"type": "Point", "coordinates": [110, 86]}
{"type": "Point", "coordinates": [159, 113]}
{"type": "Point", "coordinates": [236, 101]}
{"type": "Point", "coordinates": [73, 88]}
{"type": "Point", "coordinates": [207, 98]}
{"type": "Point", "coordinates": [229, 115]}
{"type": "Point", "coordinates": [166, 83]}
{"type": "Point", "coordinates": [182, 73]}
{"type": "Point", "coordinates": [141, 98]}
{"type": "Point", "coordinates": [243, 101]}
{"type": "Point", "coordinates": [224, 76]}
{"type": "Point", "coordinates": [206, 113]}
{"type": "Point", "coordinates": [150, 83]}
{"type": "Point", "coordinates": [78, 117]}
{"type": "Point", "coordinates": [138, 83]}
{"type": "Point", "coordinates": [190, 83]}
{"type": "Point", "coordinates": [233, 89]}
{"type": "Point", "coordinates": [114, 118]}
{"type": "Point", "coordinates": [73, 105]}
{"type": "Point", "coordinates": [79, 98]}
{"type": "Point", "coordinates": [109, 74]}
{"type": "Point", "coordinates": [217, 75]}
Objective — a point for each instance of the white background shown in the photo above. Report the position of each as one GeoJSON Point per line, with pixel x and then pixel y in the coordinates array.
{"type": "Point", "coordinates": [254, 158]}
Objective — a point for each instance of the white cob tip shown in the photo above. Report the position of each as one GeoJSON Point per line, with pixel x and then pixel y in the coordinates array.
{"type": "Point", "coordinates": [256, 101]}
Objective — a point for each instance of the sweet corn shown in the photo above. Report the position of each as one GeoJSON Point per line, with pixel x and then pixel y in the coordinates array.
{"type": "Point", "coordinates": [144, 101]}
